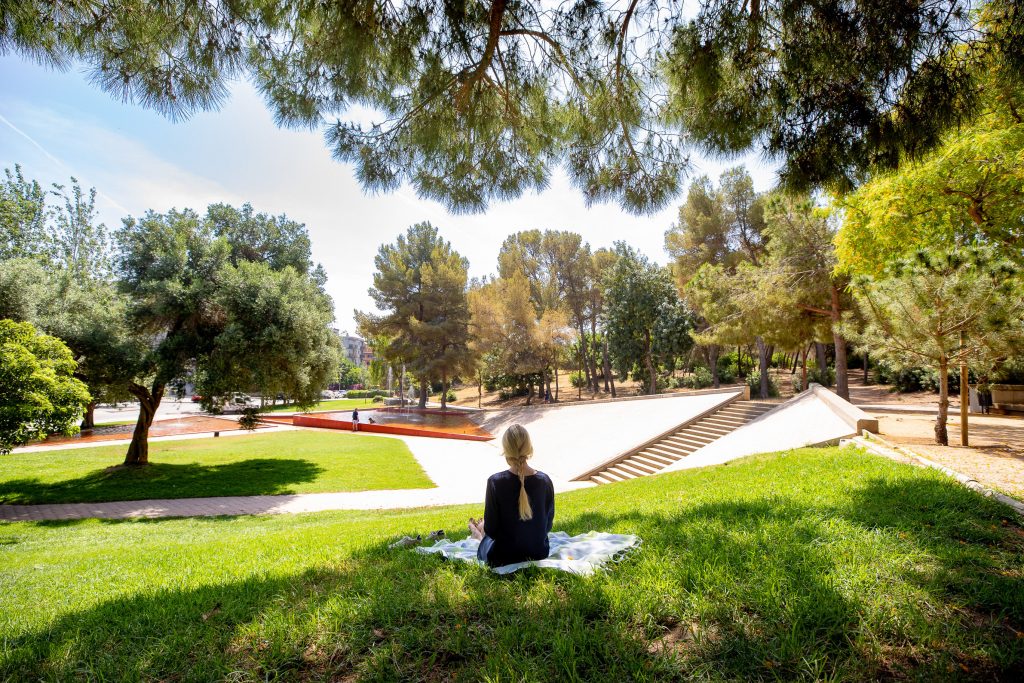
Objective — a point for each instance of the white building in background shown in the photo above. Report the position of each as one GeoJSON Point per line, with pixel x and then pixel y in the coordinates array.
{"type": "Point", "coordinates": [356, 350]}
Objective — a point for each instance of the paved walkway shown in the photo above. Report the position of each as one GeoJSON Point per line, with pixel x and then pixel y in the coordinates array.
{"type": "Point", "coordinates": [568, 439]}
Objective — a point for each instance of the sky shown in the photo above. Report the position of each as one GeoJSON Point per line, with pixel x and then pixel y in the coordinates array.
{"type": "Point", "coordinates": [56, 124]}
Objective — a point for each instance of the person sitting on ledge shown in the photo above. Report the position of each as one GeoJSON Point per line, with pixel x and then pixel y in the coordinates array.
{"type": "Point", "coordinates": [519, 507]}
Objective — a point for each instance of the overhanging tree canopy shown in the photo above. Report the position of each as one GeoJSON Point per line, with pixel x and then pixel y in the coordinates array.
{"type": "Point", "coordinates": [472, 101]}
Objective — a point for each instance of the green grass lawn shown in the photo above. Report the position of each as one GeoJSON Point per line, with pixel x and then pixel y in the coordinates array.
{"type": "Point", "coordinates": [285, 462]}
{"type": "Point", "coordinates": [814, 565]}
{"type": "Point", "coordinates": [336, 404]}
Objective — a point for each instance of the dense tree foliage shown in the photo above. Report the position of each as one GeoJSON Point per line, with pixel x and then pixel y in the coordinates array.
{"type": "Point", "coordinates": [941, 307]}
{"type": "Point", "coordinates": [204, 298]}
{"type": "Point", "coordinates": [646, 327]}
{"type": "Point", "coordinates": [472, 101]}
{"type": "Point", "coordinates": [968, 192]}
{"type": "Point", "coordinates": [420, 287]}
{"type": "Point", "coordinates": [38, 394]}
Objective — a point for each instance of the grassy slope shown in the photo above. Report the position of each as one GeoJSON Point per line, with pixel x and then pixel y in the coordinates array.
{"type": "Point", "coordinates": [335, 404]}
{"type": "Point", "coordinates": [810, 565]}
{"type": "Point", "coordinates": [286, 462]}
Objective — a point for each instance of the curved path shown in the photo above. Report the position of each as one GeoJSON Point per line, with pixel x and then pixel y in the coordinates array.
{"type": "Point", "coordinates": [568, 439]}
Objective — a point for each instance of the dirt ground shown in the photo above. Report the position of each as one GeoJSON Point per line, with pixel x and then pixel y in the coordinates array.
{"type": "Point", "coordinates": [995, 456]}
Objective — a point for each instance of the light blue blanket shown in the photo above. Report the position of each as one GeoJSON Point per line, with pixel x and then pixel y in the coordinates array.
{"type": "Point", "coordinates": [583, 554]}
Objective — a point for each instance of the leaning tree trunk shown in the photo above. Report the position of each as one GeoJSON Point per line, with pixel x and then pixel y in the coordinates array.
{"type": "Point", "coordinates": [424, 388]}
{"type": "Point", "coordinates": [149, 401]}
{"type": "Point", "coordinates": [608, 366]}
{"type": "Point", "coordinates": [819, 356]}
{"type": "Point", "coordinates": [941, 436]}
{"type": "Point", "coordinates": [842, 372]}
{"type": "Point", "coordinates": [592, 356]}
{"type": "Point", "coordinates": [89, 418]}
{"type": "Point", "coordinates": [444, 390]}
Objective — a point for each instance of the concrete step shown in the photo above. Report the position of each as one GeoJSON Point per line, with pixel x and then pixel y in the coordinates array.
{"type": "Point", "coordinates": [667, 445]}
{"type": "Point", "coordinates": [640, 464]}
{"type": "Point", "coordinates": [628, 468]}
{"type": "Point", "coordinates": [621, 472]}
{"type": "Point", "coordinates": [649, 461]}
{"type": "Point", "coordinates": [656, 458]}
{"type": "Point", "coordinates": [662, 452]}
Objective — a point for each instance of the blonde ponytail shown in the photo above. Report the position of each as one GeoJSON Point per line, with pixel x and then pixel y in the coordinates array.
{"type": "Point", "coordinates": [518, 448]}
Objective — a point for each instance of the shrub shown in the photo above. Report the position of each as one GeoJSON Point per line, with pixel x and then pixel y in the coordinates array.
{"type": "Point", "coordinates": [578, 379]}
{"type": "Point", "coordinates": [377, 399]}
{"type": "Point", "coordinates": [699, 379]}
{"type": "Point", "coordinates": [754, 382]}
{"type": "Point", "coordinates": [366, 393]}
{"type": "Point", "coordinates": [249, 419]}
{"type": "Point", "coordinates": [908, 379]}
{"type": "Point", "coordinates": [826, 377]}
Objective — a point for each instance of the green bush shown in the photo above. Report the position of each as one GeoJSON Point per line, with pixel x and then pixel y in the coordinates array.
{"type": "Point", "coordinates": [377, 399]}
{"type": "Point", "coordinates": [578, 379]}
{"type": "Point", "coordinates": [698, 379]}
{"type": "Point", "coordinates": [908, 379]}
{"type": "Point", "coordinates": [826, 377]}
{"type": "Point", "coordinates": [754, 382]}
{"type": "Point", "coordinates": [366, 393]}
{"type": "Point", "coordinates": [249, 419]}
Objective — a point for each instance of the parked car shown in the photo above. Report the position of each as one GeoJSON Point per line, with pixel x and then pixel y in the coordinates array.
{"type": "Point", "coordinates": [240, 399]}
{"type": "Point", "coordinates": [196, 398]}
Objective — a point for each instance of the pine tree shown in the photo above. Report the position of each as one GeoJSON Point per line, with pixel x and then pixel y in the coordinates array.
{"type": "Point", "coordinates": [938, 308]}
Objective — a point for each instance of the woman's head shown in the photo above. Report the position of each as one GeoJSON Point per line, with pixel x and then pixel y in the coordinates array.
{"type": "Point", "coordinates": [517, 447]}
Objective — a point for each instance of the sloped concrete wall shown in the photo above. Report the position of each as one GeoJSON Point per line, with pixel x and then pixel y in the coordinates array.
{"type": "Point", "coordinates": [802, 421]}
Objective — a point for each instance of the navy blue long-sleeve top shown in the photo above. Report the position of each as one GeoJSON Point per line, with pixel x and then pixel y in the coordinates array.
{"type": "Point", "coordinates": [516, 540]}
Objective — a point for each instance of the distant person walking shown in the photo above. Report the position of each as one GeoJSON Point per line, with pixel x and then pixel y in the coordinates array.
{"type": "Point", "coordinates": [355, 420]}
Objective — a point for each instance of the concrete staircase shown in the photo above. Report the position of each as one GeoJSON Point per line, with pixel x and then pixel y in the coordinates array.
{"type": "Point", "coordinates": [660, 452]}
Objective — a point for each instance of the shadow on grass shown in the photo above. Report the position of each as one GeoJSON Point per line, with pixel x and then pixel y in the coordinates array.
{"type": "Point", "coordinates": [255, 476]}
{"type": "Point", "coordinates": [727, 590]}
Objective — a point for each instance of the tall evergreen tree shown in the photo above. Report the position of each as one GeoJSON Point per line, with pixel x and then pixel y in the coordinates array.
{"type": "Point", "coordinates": [941, 307]}
{"type": "Point", "coordinates": [479, 101]}
{"type": "Point", "coordinates": [420, 285]}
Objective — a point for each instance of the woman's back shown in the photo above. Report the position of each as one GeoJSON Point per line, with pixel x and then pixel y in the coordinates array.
{"type": "Point", "coordinates": [515, 539]}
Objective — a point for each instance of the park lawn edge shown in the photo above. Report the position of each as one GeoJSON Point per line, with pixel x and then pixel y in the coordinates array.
{"type": "Point", "coordinates": [264, 463]}
{"type": "Point", "coordinates": [812, 564]}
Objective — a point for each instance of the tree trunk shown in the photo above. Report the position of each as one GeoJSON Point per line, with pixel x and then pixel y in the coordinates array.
{"type": "Point", "coordinates": [803, 369]}
{"type": "Point", "coordinates": [964, 394]}
{"type": "Point", "coordinates": [444, 390]}
{"type": "Point", "coordinates": [796, 362]}
{"type": "Point", "coordinates": [479, 391]}
{"type": "Point", "coordinates": [401, 388]}
{"type": "Point", "coordinates": [556, 384]}
{"type": "Point", "coordinates": [149, 401]}
{"type": "Point", "coordinates": [941, 436]}
{"type": "Point", "coordinates": [608, 366]}
{"type": "Point", "coordinates": [762, 364]}
{"type": "Point", "coordinates": [713, 360]}
{"type": "Point", "coordinates": [529, 391]}
{"type": "Point", "coordinates": [582, 360]}
{"type": "Point", "coordinates": [424, 389]}
{"type": "Point", "coordinates": [89, 418]}
{"type": "Point", "coordinates": [649, 360]}
{"type": "Point", "coordinates": [842, 372]}
{"type": "Point", "coordinates": [592, 356]}
{"type": "Point", "coordinates": [739, 362]}
{"type": "Point", "coordinates": [819, 356]}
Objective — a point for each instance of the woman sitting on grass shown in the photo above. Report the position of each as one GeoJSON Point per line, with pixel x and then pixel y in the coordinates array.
{"type": "Point", "coordinates": [519, 507]}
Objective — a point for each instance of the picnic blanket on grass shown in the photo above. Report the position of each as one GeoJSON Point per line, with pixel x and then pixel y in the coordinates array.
{"type": "Point", "coordinates": [583, 554]}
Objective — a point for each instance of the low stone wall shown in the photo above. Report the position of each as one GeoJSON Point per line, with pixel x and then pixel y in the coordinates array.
{"type": "Point", "coordinates": [1009, 397]}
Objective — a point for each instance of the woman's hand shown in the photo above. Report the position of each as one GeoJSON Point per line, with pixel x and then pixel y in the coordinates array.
{"type": "Point", "coordinates": [476, 528]}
